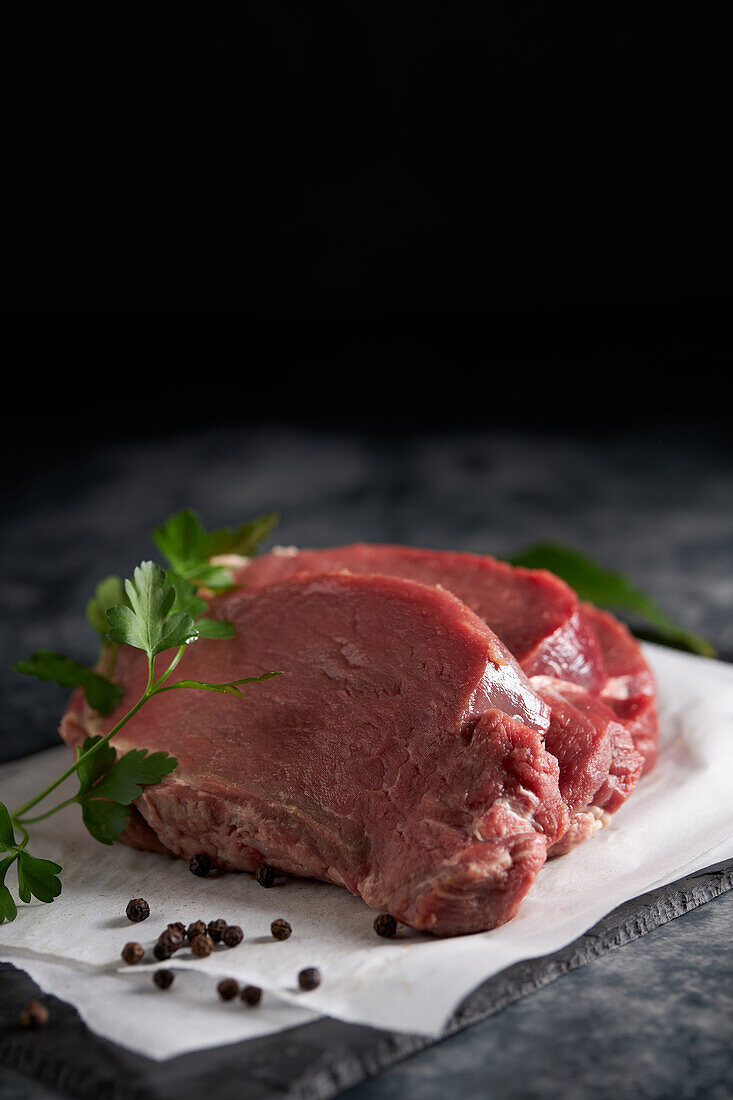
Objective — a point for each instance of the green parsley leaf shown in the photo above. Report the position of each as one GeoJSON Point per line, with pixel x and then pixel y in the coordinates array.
{"type": "Point", "coordinates": [147, 623]}
{"type": "Point", "coordinates": [105, 821]}
{"type": "Point", "coordinates": [612, 590]}
{"type": "Point", "coordinates": [187, 598]}
{"type": "Point", "coordinates": [134, 770]}
{"type": "Point", "coordinates": [244, 540]}
{"type": "Point", "coordinates": [92, 768]}
{"type": "Point", "coordinates": [228, 688]}
{"type": "Point", "coordinates": [180, 540]}
{"type": "Point", "coordinates": [212, 628]}
{"type": "Point", "coordinates": [107, 785]}
{"type": "Point", "coordinates": [186, 544]}
{"type": "Point", "coordinates": [8, 908]}
{"type": "Point", "coordinates": [216, 577]}
{"type": "Point", "coordinates": [38, 877]}
{"type": "Point", "coordinates": [101, 693]}
{"type": "Point", "coordinates": [7, 836]}
{"type": "Point", "coordinates": [108, 592]}
{"type": "Point", "coordinates": [183, 541]}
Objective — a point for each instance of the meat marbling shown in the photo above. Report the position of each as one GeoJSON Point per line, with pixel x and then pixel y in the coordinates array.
{"type": "Point", "coordinates": [599, 765]}
{"type": "Point", "coordinates": [400, 754]}
{"type": "Point", "coordinates": [629, 690]}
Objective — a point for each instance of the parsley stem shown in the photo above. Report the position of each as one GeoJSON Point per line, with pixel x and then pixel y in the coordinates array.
{"type": "Point", "coordinates": [170, 668]}
{"type": "Point", "coordinates": [32, 820]}
{"type": "Point", "coordinates": [90, 752]}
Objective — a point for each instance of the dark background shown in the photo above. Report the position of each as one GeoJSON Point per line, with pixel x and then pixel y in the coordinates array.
{"type": "Point", "coordinates": [375, 216]}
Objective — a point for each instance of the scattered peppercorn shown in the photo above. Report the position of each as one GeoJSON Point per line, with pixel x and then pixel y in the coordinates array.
{"type": "Point", "coordinates": [163, 979]}
{"type": "Point", "coordinates": [132, 953]}
{"type": "Point", "coordinates": [228, 989]}
{"type": "Point", "coordinates": [169, 941]}
{"type": "Point", "coordinates": [265, 875]}
{"type": "Point", "coordinates": [196, 929]}
{"type": "Point", "coordinates": [232, 935]}
{"type": "Point", "coordinates": [34, 1015]}
{"type": "Point", "coordinates": [310, 978]}
{"type": "Point", "coordinates": [137, 910]}
{"type": "Point", "coordinates": [251, 995]}
{"type": "Point", "coordinates": [216, 929]}
{"type": "Point", "coordinates": [173, 938]}
{"type": "Point", "coordinates": [202, 945]}
{"type": "Point", "coordinates": [281, 929]}
{"type": "Point", "coordinates": [200, 865]}
{"type": "Point", "coordinates": [179, 927]}
{"type": "Point", "coordinates": [385, 926]}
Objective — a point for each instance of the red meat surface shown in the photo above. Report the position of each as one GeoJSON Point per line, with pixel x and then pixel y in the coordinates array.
{"type": "Point", "coordinates": [599, 765]}
{"type": "Point", "coordinates": [536, 615]}
{"type": "Point", "coordinates": [587, 666]}
{"type": "Point", "coordinates": [629, 690]}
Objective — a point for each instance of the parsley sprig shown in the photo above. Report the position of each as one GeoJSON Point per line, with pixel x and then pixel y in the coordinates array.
{"type": "Point", "coordinates": [189, 547]}
{"type": "Point", "coordinates": [156, 611]}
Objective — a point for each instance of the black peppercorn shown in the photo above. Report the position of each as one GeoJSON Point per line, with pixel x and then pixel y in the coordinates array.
{"type": "Point", "coordinates": [265, 875]}
{"type": "Point", "coordinates": [137, 910]}
{"type": "Point", "coordinates": [251, 995]}
{"type": "Point", "coordinates": [200, 865]}
{"type": "Point", "coordinates": [216, 929]}
{"type": "Point", "coordinates": [169, 941]}
{"type": "Point", "coordinates": [310, 978]}
{"type": "Point", "coordinates": [385, 925]}
{"type": "Point", "coordinates": [132, 953]}
{"type": "Point", "coordinates": [163, 979]}
{"type": "Point", "coordinates": [34, 1015]}
{"type": "Point", "coordinates": [179, 926]}
{"type": "Point", "coordinates": [196, 929]}
{"type": "Point", "coordinates": [227, 989]}
{"type": "Point", "coordinates": [202, 945]}
{"type": "Point", "coordinates": [173, 938]}
{"type": "Point", "coordinates": [232, 935]}
{"type": "Point", "coordinates": [280, 929]}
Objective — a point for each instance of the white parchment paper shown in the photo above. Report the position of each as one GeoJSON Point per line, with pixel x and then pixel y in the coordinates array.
{"type": "Point", "coordinates": [679, 819]}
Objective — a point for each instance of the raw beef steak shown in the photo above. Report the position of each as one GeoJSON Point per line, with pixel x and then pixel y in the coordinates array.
{"type": "Point", "coordinates": [586, 664]}
{"type": "Point", "coordinates": [399, 755]}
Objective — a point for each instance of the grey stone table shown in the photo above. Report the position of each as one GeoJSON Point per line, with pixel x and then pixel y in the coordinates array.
{"type": "Point", "coordinates": [650, 1020]}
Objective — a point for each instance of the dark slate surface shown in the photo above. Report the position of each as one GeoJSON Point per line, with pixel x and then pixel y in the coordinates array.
{"type": "Point", "coordinates": [651, 1020]}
